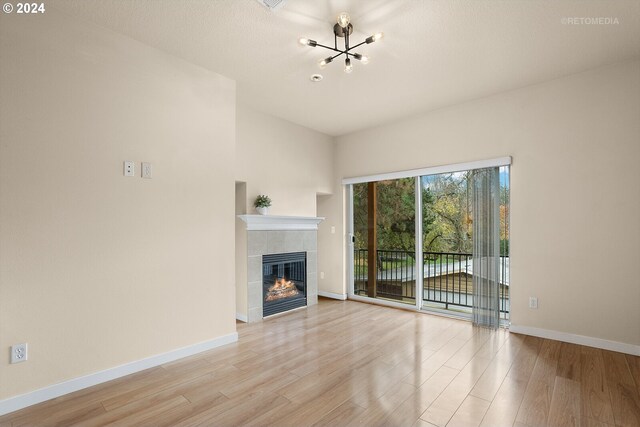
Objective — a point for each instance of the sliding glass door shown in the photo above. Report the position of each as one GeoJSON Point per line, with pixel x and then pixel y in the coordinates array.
{"type": "Point", "coordinates": [412, 240]}
{"type": "Point", "coordinates": [447, 241]}
{"type": "Point", "coordinates": [384, 240]}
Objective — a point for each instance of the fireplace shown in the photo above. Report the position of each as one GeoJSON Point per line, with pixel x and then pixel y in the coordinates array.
{"type": "Point", "coordinates": [284, 282]}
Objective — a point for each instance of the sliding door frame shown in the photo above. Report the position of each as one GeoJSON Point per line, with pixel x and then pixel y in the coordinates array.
{"type": "Point", "coordinates": [350, 244]}
{"type": "Point", "coordinates": [418, 252]}
{"type": "Point", "coordinates": [419, 264]}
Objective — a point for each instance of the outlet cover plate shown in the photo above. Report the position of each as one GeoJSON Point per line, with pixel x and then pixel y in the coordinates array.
{"type": "Point", "coordinates": [19, 353]}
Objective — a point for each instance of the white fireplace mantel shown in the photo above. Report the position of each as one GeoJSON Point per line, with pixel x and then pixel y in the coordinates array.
{"type": "Point", "coordinates": [279, 222]}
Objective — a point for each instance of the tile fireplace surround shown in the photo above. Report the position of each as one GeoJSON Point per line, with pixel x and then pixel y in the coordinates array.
{"type": "Point", "coordinates": [270, 234]}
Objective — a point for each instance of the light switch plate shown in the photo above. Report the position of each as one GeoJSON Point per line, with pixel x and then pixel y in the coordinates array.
{"type": "Point", "coordinates": [147, 170]}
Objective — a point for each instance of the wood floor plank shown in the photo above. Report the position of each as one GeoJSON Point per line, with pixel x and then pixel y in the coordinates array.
{"type": "Point", "coordinates": [341, 416]}
{"type": "Point", "coordinates": [348, 363]}
{"type": "Point", "coordinates": [146, 402]}
{"type": "Point", "coordinates": [569, 362]}
{"type": "Point", "coordinates": [504, 407]}
{"type": "Point", "coordinates": [268, 380]}
{"type": "Point", "coordinates": [157, 386]}
{"type": "Point", "coordinates": [142, 417]}
{"type": "Point", "coordinates": [429, 366]}
{"type": "Point", "coordinates": [590, 422]}
{"type": "Point", "coordinates": [233, 411]}
{"type": "Point", "coordinates": [565, 404]}
{"type": "Point", "coordinates": [444, 407]}
{"type": "Point", "coordinates": [625, 400]}
{"type": "Point", "coordinates": [634, 367]}
{"type": "Point", "coordinates": [78, 416]}
{"type": "Point", "coordinates": [492, 378]}
{"type": "Point", "coordinates": [422, 423]}
{"type": "Point", "coordinates": [594, 390]}
{"type": "Point", "coordinates": [411, 409]}
{"type": "Point", "coordinates": [181, 413]}
{"type": "Point", "coordinates": [376, 413]}
{"type": "Point", "coordinates": [470, 412]}
{"type": "Point", "coordinates": [523, 366]}
{"type": "Point", "coordinates": [536, 403]}
{"type": "Point", "coordinates": [90, 397]}
{"type": "Point", "coordinates": [463, 355]}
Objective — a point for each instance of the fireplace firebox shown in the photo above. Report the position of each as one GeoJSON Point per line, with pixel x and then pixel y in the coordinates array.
{"type": "Point", "coordinates": [284, 282]}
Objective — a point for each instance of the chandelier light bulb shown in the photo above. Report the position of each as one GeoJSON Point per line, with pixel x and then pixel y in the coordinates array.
{"type": "Point", "coordinates": [362, 58]}
{"type": "Point", "coordinates": [347, 66]}
{"type": "Point", "coordinates": [344, 19]}
{"type": "Point", "coordinates": [323, 62]}
{"type": "Point", "coordinates": [373, 38]}
{"type": "Point", "coordinates": [307, 42]}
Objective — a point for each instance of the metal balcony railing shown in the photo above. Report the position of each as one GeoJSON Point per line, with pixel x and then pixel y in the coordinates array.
{"type": "Point", "coordinates": [447, 277]}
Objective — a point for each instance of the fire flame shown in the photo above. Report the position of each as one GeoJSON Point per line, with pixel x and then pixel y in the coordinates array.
{"type": "Point", "coordinates": [282, 288]}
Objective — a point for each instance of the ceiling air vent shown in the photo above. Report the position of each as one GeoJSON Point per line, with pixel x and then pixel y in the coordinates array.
{"type": "Point", "coordinates": [272, 4]}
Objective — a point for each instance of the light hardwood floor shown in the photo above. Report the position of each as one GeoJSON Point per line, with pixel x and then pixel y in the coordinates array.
{"type": "Point", "coordinates": [348, 363]}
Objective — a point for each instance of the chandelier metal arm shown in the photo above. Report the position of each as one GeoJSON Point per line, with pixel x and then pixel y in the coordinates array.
{"type": "Point", "coordinates": [346, 51]}
{"type": "Point", "coordinates": [330, 48]}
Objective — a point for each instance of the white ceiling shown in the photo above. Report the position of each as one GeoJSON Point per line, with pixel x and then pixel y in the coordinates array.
{"type": "Point", "coordinates": [435, 52]}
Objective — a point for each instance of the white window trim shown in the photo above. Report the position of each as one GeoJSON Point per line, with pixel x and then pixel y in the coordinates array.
{"type": "Point", "coordinates": [434, 170]}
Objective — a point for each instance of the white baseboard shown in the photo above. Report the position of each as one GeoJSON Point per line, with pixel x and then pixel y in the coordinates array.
{"type": "Point", "coordinates": [22, 401]}
{"type": "Point", "coordinates": [241, 317]}
{"type": "Point", "coordinates": [325, 294]}
{"type": "Point", "coordinates": [577, 339]}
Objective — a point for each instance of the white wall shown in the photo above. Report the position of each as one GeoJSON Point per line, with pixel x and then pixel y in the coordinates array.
{"type": "Point", "coordinates": [575, 184]}
{"type": "Point", "coordinates": [288, 162]}
{"type": "Point", "coordinates": [97, 269]}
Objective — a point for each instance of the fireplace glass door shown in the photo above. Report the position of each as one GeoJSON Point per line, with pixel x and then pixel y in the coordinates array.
{"type": "Point", "coordinates": [284, 278]}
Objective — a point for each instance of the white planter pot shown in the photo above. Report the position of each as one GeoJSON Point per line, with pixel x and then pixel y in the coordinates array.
{"type": "Point", "coordinates": [263, 211]}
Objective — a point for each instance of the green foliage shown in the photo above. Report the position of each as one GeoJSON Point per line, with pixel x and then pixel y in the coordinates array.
{"type": "Point", "coordinates": [447, 217]}
{"type": "Point", "coordinates": [395, 214]}
{"type": "Point", "coordinates": [262, 201]}
{"type": "Point", "coordinates": [450, 210]}
{"type": "Point", "coordinates": [504, 247]}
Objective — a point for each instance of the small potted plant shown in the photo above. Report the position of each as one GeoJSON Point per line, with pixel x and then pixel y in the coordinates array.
{"type": "Point", "coordinates": [262, 204]}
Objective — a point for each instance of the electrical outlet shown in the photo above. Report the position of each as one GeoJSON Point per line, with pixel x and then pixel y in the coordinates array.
{"type": "Point", "coordinates": [333, 230]}
{"type": "Point", "coordinates": [19, 353]}
{"type": "Point", "coordinates": [322, 274]}
{"type": "Point", "coordinates": [146, 170]}
{"type": "Point", "coordinates": [129, 168]}
{"type": "Point", "coordinates": [533, 302]}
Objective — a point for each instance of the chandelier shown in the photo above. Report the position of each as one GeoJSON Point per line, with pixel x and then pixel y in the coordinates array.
{"type": "Point", "coordinates": [343, 29]}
